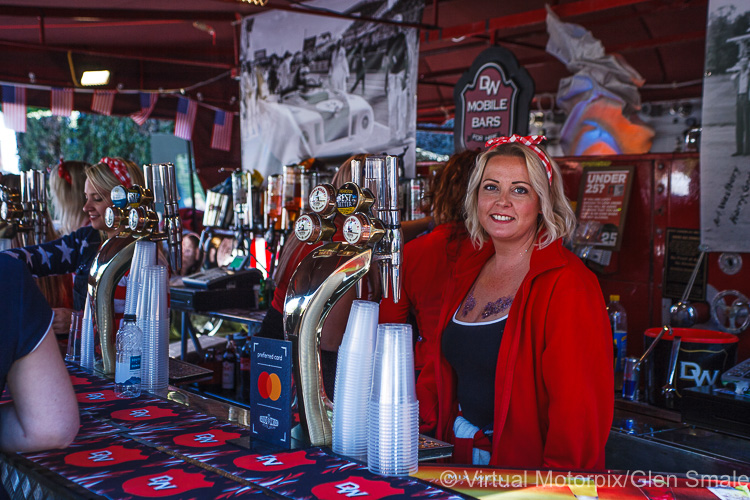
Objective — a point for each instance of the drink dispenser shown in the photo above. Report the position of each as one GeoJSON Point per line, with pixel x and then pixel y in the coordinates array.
{"type": "Point", "coordinates": [149, 212]}
{"type": "Point", "coordinates": [372, 232]}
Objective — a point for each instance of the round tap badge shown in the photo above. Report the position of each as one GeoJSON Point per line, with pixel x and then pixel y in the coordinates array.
{"type": "Point", "coordinates": [319, 199]}
{"type": "Point", "coordinates": [352, 230]}
{"type": "Point", "coordinates": [348, 199]}
{"type": "Point", "coordinates": [4, 211]}
{"type": "Point", "coordinates": [133, 219]}
{"type": "Point", "coordinates": [303, 229]}
{"type": "Point", "coordinates": [109, 217]}
{"type": "Point", "coordinates": [119, 196]}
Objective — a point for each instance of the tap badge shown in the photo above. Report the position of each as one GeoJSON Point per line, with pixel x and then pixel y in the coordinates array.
{"type": "Point", "coordinates": [347, 199]}
{"type": "Point", "coordinates": [303, 229]}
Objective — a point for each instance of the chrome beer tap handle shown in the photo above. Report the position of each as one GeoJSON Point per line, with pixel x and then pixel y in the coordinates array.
{"type": "Point", "coordinates": [171, 215]}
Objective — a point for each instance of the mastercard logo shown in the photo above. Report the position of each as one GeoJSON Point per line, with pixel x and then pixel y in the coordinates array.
{"type": "Point", "coordinates": [269, 386]}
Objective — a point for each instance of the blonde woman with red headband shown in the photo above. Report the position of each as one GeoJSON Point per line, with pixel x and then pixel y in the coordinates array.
{"type": "Point", "coordinates": [523, 372]}
{"type": "Point", "coordinates": [75, 252]}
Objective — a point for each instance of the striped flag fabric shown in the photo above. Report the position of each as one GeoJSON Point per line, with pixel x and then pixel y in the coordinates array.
{"type": "Point", "coordinates": [62, 102]}
{"type": "Point", "coordinates": [14, 107]}
{"type": "Point", "coordinates": [148, 101]}
{"type": "Point", "coordinates": [185, 118]}
{"type": "Point", "coordinates": [102, 102]}
{"type": "Point", "coordinates": [221, 137]}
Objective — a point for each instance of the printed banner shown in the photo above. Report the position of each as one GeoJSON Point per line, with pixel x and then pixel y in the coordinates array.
{"type": "Point", "coordinates": [324, 87]}
{"type": "Point", "coordinates": [725, 141]}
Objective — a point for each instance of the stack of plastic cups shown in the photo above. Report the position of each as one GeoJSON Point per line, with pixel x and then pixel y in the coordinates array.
{"type": "Point", "coordinates": [353, 379]}
{"type": "Point", "coordinates": [393, 408]}
{"type": "Point", "coordinates": [153, 320]}
{"type": "Point", "coordinates": [87, 337]}
{"type": "Point", "coordinates": [143, 255]}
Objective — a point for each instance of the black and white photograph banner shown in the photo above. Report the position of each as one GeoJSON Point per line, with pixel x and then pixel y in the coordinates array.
{"type": "Point", "coordinates": [315, 86]}
{"type": "Point", "coordinates": [725, 141]}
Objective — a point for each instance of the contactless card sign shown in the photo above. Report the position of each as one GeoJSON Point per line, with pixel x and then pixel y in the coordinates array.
{"type": "Point", "coordinates": [270, 390]}
{"type": "Point", "coordinates": [492, 99]}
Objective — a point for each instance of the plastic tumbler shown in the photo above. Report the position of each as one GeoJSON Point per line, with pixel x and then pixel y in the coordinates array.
{"type": "Point", "coordinates": [73, 354]}
{"type": "Point", "coordinates": [631, 379]}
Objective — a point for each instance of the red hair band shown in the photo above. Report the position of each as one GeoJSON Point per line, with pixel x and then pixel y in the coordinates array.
{"type": "Point", "coordinates": [119, 168]}
{"type": "Point", "coordinates": [531, 142]}
{"type": "Point", "coordinates": [62, 171]}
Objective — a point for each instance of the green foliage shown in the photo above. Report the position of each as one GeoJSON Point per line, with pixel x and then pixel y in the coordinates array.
{"type": "Point", "coordinates": [84, 137]}
{"type": "Point", "coordinates": [722, 25]}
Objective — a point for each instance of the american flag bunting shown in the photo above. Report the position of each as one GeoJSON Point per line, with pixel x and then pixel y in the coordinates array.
{"type": "Point", "coordinates": [185, 118]}
{"type": "Point", "coordinates": [148, 101]}
{"type": "Point", "coordinates": [14, 107]}
{"type": "Point", "coordinates": [62, 102]}
{"type": "Point", "coordinates": [221, 137]}
{"type": "Point", "coordinates": [102, 102]}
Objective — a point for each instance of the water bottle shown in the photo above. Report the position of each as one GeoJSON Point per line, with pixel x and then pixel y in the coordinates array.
{"type": "Point", "coordinates": [128, 359]}
{"type": "Point", "coordinates": [618, 320]}
{"type": "Point", "coordinates": [229, 359]}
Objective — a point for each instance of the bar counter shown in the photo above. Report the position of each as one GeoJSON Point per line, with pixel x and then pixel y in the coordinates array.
{"type": "Point", "coordinates": [182, 445]}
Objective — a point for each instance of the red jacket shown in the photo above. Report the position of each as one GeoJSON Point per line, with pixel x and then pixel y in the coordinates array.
{"type": "Point", "coordinates": [554, 386]}
{"type": "Point", "coordinates": [425, 271]}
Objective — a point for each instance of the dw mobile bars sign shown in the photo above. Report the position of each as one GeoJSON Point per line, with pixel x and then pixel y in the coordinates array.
{"type": "Point", "coordinates": [492, 99]}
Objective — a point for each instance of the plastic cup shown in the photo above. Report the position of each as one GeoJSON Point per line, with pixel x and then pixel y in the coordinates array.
{"type": "Point", "coordinates": [87, 337]}
{"type": "Point", "coordinates": [630, 380]}
{"type": "Point", "coordinates": [73, 353]}
{"type": "Point", "coordinates": [393, 410]}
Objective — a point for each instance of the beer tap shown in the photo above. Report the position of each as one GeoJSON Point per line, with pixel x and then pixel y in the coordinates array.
{"type": "Point", "coordinates": [371, 231]}
{"type": "Point", "coordinates": [37, 189]}
{"type": "Point", "coordinates": [147, 212]}
{"type": "Point", "coordinates": [243, 211]}
{"type": "Point", "coordinates": [11, 210]}
{"type": "Point", "coordinates": [26, 209]}
{"type": "Point", "coordinates": [381, 175]}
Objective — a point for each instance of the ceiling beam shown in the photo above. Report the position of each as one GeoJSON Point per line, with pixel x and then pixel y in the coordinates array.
{"type": "Point", "coordinates": [528, 18]}
{"type": "Point", "coordinates": [119, 55]}
{"type": "Point", "coordinates": [693, 36]}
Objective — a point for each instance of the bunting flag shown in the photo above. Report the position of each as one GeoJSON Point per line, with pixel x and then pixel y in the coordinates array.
{"type": "Point", "coordinates": [14, 107]}
{"type": "Point", "coordinates": [185, 119]}
{"type": "Point", "coordinates": [102, 102]}
{"type": "Point", "coordinates": [148, 101]}
{"type": "Point", "coordinates": [221, 137]}
{"type": "Point", "coordinates": [62, 102]}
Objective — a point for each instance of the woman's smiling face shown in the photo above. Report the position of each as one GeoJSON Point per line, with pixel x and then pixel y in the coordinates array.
{"type": "Point", "coordinates": [507, 204]}
{"type": "Point", "coordinates": [95, 206]}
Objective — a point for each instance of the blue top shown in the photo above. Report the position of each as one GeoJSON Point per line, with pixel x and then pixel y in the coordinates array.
{"type": "Point", "coordinates": [73, 253]}
{"type": "Point", "coordinates": [26, 315]}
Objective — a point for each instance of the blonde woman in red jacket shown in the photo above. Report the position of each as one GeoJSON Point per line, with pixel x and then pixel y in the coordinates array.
{"type": "Point", "coordinates": [523, 377]}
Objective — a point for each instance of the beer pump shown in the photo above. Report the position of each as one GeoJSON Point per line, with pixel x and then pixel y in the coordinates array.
{"type": "Point", "coordinates": [27, 210]}
{"type": "Point", "coordinates": [242, 184]}
{"type": "Point", "coordinates": [372, 232]}
{"type": "Point", "coordinates": [139, 212]}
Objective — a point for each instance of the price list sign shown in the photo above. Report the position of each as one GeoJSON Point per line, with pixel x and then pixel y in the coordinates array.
{"type": "Point", "coordinates": [603, 202]}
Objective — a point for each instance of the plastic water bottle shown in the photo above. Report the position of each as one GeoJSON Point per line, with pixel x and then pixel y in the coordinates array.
{"type": "Point", "coordinates": [128, 359]}
{"type": "Point", "coordinates": [618, 320]}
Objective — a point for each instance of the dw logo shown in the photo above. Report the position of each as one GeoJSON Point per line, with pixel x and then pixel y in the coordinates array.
{"type": "Point", "coordinates": [205, 438]}
{"type": "Point", "coordinates": [269, 460]}
{"type": "Point", "coordinates": [101, 456]}
{"type": "Point", "coordinates": [696, 374]}
{"type": "Point", "coordinates": [350, 489]}
{"type": "Point", "coordinates": [486, 84]}
{"type": "Point", "coordinates": [161, 482]}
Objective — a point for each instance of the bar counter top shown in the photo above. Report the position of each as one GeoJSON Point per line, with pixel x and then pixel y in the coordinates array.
{"type": "Point", "coordinates": [181, 445]}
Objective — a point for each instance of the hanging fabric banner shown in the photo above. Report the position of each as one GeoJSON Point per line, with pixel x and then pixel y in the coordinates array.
{"type": "Point", "coordinates": [725, 138]}
{"type": "Point", "coordinates": [323, 87]}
